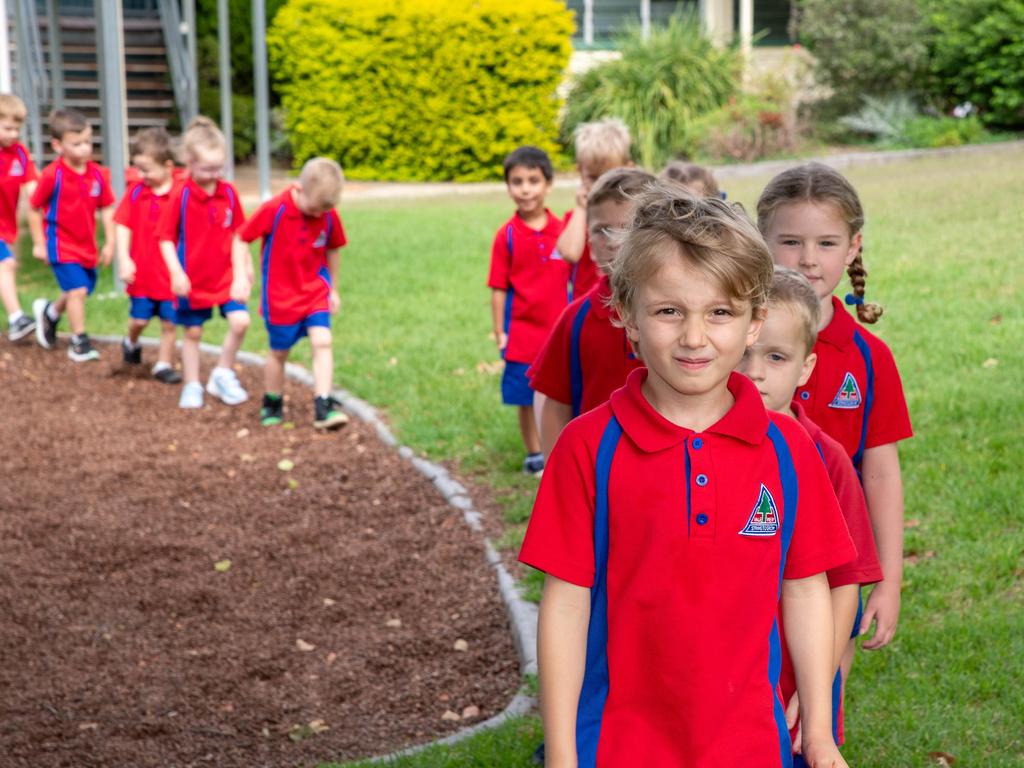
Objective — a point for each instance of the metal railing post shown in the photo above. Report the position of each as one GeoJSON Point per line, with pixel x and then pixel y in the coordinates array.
{"type": "Point", "coordinates": [259, 65]}
{"type": "Point", "coordinates": [113, 104]}
{"type": "Point", "coordinates": [226, 115]}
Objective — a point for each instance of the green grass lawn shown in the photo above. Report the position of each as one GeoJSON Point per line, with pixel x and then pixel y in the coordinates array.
{"type": "Point", "coordinates": [946, 259]}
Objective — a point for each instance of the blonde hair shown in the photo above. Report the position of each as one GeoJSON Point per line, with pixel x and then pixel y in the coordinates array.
{"type": "Point", "coordinates": [718, 239]}
{"type": "Point", "coordinates": [618, 185]}
{"type": "Point", "coordinates": [12, 108]}
{"type": "Point", "coordinates": [202, 134]}
{"type": "Point", "coordinates": [818, 183]}
{"type": "Point", "coordinates": [791, 289]}
{"type": "Point", "coordinates": [321, 179]}
{"type": "Point", "coordinates": [690, 174]}
{"type": "Point", "coordinates": [603, 141]}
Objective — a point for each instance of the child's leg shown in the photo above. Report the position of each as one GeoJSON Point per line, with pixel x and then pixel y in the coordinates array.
{"type": "Point", "coordinates": [273, 373]}
{"type": "Point", "coordinates": [168, 335]}
{"type": "Point", "coordinates": [135, 329]}
{"type": "Point", "coordinates": [8, 287]}
{"type": "Point", "coordinates": [60, 305]}
{"type": "Point", "coordinates": [75, 306]}
{"type": "Point", "coordinates": [238, 324]}
{"type": "Point", "coordinates": [190, 353]}
{"type": "Point", "coordinates": [528, 429]}
{"type": "Point", "coordinates": [323, 360]}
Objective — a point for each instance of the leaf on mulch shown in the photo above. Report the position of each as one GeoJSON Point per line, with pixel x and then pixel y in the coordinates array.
{"type": "Point", "coordinates": [943, 759]}
{"type": "Point", "coordinates": [303, 646]}
{"type": "Point", "coordinates": [286, 465]}
{"type": "Point", "coordinates": [293, 483]}
{"type": "Point", "coordinates": [468, 713]}
{"type": "Point", "coordinates": [243, 432]}
{"type": "Point", "coordinates": [248, 458]}
{"type": "Point", "coordinates": [88, 726]}
{"type": "Point", "coordinates": [451, 716]}
{"type": "Point", "coordinates": [328, 602]}
{"type": "Point", "coordinates": [288, 425]}
{"type": "Point", "coordinates": [312, 728]}
{"type": "Point", "coordinates": [461, 645]}
{"type": "Point", "coordinates": [172, 447]}
{"type": "Point", "coordinates": [393, 623]}
{"type": "Point", "coordinates": [222, 566]}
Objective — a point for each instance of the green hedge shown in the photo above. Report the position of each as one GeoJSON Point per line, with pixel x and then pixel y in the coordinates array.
{"type": "Point", "coordinates": [419, 89]}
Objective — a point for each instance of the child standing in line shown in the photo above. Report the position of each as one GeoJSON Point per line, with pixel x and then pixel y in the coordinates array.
{"type": "Point", "coordinates": [599, 146]}
{"type": "Point", "coordinates": [16, 171]}
{"type": "Point", "coordinates": [696, 178]}
{"type": "Point", "coordinates": [780, 361]}
{"type": "Point", "coordinates": [141, 266]}
{"type": "Point", "coordinates": [587, 356]}
{"type": "Point", "coordinates": [529, 286]}
{"type": "Point", "coordinates": [301, 234]}
{"type": "Point", "coordinates": [812, 219]}
{"type": "Point", "coordinates": [673, 518]}
{"type": "Point", "coordinates": [70, 191]}
{"type": "Point", "coordinates": [209, 266]}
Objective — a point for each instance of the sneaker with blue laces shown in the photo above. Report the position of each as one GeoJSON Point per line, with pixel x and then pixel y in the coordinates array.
{"type": "Point", "coordinates": [224, 385]}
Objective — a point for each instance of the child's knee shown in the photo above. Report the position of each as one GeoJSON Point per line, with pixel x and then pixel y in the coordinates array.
{"type": "Point", "coordinates": [77, 294]}
{"type": "Point", "coordinates": [238, 321]}
{"type": "Point", "coordinates": [194, 332]}
{"type": "Point", "coordinates": [167, 327]}
{"type": "Point", "coordinates": [320, 339]}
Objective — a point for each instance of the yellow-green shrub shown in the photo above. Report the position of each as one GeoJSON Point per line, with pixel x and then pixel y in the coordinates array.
{"type": "Point", "coordinates": [419, 89]}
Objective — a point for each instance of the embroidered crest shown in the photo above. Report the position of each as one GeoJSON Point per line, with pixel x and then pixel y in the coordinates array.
{"type": "Point", "coordinates": [764, 520]}
{"type": "Point", "coordinates": [229, 216]}
{"type": "Point", "coordinates": [321, 239]}
{"type": "Point", "coordinates": [848, 395]}
{"type": "Point", "coordinates": [17, 169]}
{"type": "Point", "coordinates": [94, 190]}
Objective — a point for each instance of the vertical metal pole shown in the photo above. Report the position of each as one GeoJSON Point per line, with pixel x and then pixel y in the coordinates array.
{"type": "Point", "coordinates": [193, 67]}
{"type": "Point", "coordinates": [645, 19]}
{"type": "Point", "coordinates": [588, 22]}
{"type": "Point", "coordinates": [110, 42]}
{"type": "Point", "coordinates": [746, 30]}
{"type": "Point", "coordinates": [226, 116]}
{"type": "Point", "coordinates": [259, 65]}
{"type": "Point", "coordinates": [5, 50]}
{"type": "Point", "coordinates": [53, 38]}
{"type": "Point", "coordinates": [26, 83]}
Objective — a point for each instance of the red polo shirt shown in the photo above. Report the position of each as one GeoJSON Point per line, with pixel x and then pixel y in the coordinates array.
{"type": "Point", "coordinates": [16, 169]}
{"type": "Point", "coordinates": [855, 393]}
{"type": "Point", "coordinates": [140, 210]}
{"type": "Point", "coordinates": [70, 200]}
{"type": "Point", "coordinates": [296, 279]}
{"type": "Point", "coordinates": [683, 539]}
{"type": "Point", "coordinates": [525, 263]}
{"type": "Point", "coordinates": [585, 273]}
{"type": "Point", "coordinates": [202, 227]}
{"type": "Point", "coordinates": [586, 357]}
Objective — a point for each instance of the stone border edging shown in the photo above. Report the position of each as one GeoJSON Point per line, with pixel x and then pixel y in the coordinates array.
{"type": "Point", "coordinates": [522, 615]}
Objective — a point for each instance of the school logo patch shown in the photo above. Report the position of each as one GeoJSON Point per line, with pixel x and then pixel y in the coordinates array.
{"type": "Point", "coordinates": [94, 190]}
{"type": "Point", "coordinates": [848, 395]}
{"type": "Point", "coordinates": [17, 169]}
{"type": "Point", "coordinates": [321, 239]}
{"type": "Point", "coordinates": [229, 216]}
{"type": "Point", "coordinates": [764, 520]}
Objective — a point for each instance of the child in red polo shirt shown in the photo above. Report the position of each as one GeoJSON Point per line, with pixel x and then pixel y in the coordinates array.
{"type": "Point", "coordinates": [587, 356]}
{"type": "Point", "coordinates": [71, 190]}
{"type": "Point", "coordinates": [141, 266]}
{"type": "Point", "coordinates": [673, 518]}
{"type": "Point", "coordinates": [16, 171]}
{"type": "Point", "coordinates": [812, 219]}
{"type": "Point", "coordinates": [209, 266]}
{"type": "Point", "coordinates": [599, 147]}
{"type": "Point", "coordinates": [529, 286]}
{"type": "Point", "coordinates": [301, 235]}
{"type": "Point", "coordinates": [780, 361]}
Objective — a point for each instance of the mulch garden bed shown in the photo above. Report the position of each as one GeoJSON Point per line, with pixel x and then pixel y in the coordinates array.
{"type": "Point", "coordinates": [172, 594]}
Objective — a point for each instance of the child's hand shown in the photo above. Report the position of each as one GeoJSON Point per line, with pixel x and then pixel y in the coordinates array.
{"type": "Point", "coordinates": [501, 339]}
{"type": "Point", "coordinates": [39, 251]}
{"type": "Point", "coordinates": [822, 752]}
{"type": "Point", "coordinates": [126, 269]}
{"type": "Point", "coordinates": [240, 289]}
{"type": "Point", "coordinates": [335, 301]}
{"type": "Point", "coordinates": [792, 719]}
{"type": "Point", "coordinates": [180, 284]}
{"type": "Point", "coordinates": [883, 607]}
{"type": "Point", "coordinates": [107, 254]}
{"type": "Point", "coordinates": [582, 192]}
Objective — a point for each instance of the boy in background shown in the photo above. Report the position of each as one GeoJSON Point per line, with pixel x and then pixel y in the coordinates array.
{"type": "Point", "coordinates": [16, 171]}
{"type": "Point", "coordinates": [63, 223]}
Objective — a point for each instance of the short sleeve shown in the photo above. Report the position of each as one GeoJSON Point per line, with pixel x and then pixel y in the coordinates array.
{"type": "Point", "coordinates": [44, 190]}
{"type": "Point", "coordinates": [864, 568]}
{"type": "Point", "coordinates": [31, 174]}
{"type": "Point", "coordinates": [123, 212]}
{"type": "Point", "coordinates": [560, 537]}
{"type": "Point", "coordinates": [107, 197]}
{"type": "Point", "coordinates": [500, 261]}
{"type": "Point", "coordinates": [170, 219]}
{"type": "Point", "coordinates": [549, 373]}
{"type": "Point", "coordinates": [258, 225]}
{"type": "Point", "coordinates": [237, 212]}
{"type": "Point", "coordinates": [889, 421]}
{"type": "Point", "coordinates": [337, 237]}
{"type": "Point", "coordinates": [820, 539]}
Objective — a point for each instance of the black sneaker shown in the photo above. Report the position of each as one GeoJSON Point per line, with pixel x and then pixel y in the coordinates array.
{"type": "Point", "coordinates": [46, 329]}
{"type": "Point", "coordinates": [131, 355]}
{"type": "Point", "coordinates": [167, 376]}
{"type": "Point", "coordinates": [272, 412]}
{"type": "Point", "coordinates": [327, 413]}
{"type": "Point", "coordinates": [533, 464]}
{"type": "Point", "coordinates": [82, 350]}
{"type": "Point", "coordinates": [21, 328]}
{"type": "Point", "coordinates": [538, 755]}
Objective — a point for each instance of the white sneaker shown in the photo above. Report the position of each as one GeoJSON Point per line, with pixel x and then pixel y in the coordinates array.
{"type": "Point", "coordinates": [191, 395]}
{"type": "Point", "coordinates": [224, 384]}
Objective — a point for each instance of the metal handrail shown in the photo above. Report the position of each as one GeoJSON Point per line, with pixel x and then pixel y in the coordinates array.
{"type": "Point", "coordinates": [32, 82]}
{"type": "Point", "coordinates": [185, 88]}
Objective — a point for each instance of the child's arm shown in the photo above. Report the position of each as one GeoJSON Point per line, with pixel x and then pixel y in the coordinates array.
{"type": "Point", "coordinates": [573, 239]}
{"type": "Point", "coordinates": [241, 268]}
{"type": "Point", "coordinates": [125, 264]}
{"type": "Point", "coordinates": [35, 227]}
{"type": "Point", "coordinates": [561, 652]}
{"type": "Point", "coordinates": [333, 263]}
{"type": "Point", "coordinates": [107, 217]}
{"type": "Point", "coordinates": [498, 298]}
{"type": "Point", "coordinates": [554, 415]}
{"type": "Point", "coordinates": [883, 489]}
{"type": "Point", "coordinates": [808, 621]}
{"type": "Point", "coordinates": [180, 283]}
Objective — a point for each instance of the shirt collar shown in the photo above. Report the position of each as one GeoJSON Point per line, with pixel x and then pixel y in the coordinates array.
{"type": "Point", "coordinates": [804, 420]}
{"type": "Point", "coordinates": [218, 191]}
{"type": "Point", "coordinates": [65, 165]}
{"type": "Point", "coordinates": [839, 332]}
{"type": "Point", "coordinates": [599, 297]}
{"type": "Point", "coordinates": [552, 227]}
{"type": "Point", "coordinates": [746, 420]}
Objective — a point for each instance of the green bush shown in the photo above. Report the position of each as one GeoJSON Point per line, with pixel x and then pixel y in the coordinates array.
{"type": "Point", "coordinates": [928, 132]}
{"type": "Point", "coordinates": [658, 87]}
{"type": "Point", "coordinates": [896, 121]}
{"type": "Point", "coordinates": [865, 47]}
{"type": "Point", "coordinates": [749, 127]}
{"type": "Point", "coordinates": [243, 116]}
{"type": "Point", "coordinates": [977, 55]}
{"type": "Point", "coordinates": [417, 89]}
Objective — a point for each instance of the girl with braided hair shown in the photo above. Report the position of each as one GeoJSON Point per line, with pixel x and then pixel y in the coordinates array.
{"type": "Point", "coordinates": [811, 219]}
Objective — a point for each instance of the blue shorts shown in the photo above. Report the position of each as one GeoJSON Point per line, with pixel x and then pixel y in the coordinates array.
{"type": "Point", "coordinates": [5, 251]}
{"type": "Point", "coordinates": [146, 309]}
{"type": "Point", "coordinates": [860, 613]}
{"type": "Point", "coordinates": [284, 337]}
{"type": "Point", "coordinates": [188, 317]}
{"type": "Point", "coordinates": [515, 387]}
{"type": "Point", "coordinates": [70, 277]}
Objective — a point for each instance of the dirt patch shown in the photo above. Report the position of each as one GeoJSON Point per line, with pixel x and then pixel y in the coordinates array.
{"type": "Point", "coordinates": [171, 597]}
